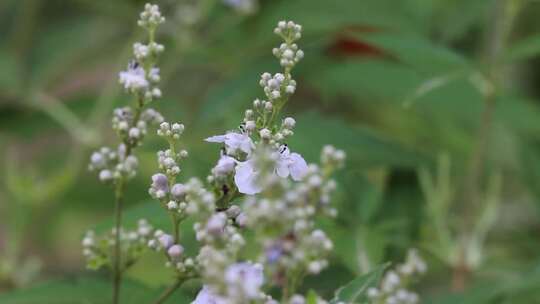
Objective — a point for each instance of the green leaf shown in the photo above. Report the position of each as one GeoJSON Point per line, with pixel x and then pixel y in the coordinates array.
{"type": "Point", "coordinates": [311, 297]}
{"type": "Point", "coordinates": [355, 291]}
{"type": "Point", "coordinates": [524, 49]}
{"type": "Point", "coordinates": [83, 290]}
{"type": "Point", "coordinates": [364, 147]}
{"type": "Point", "coordinates": [417, 52]}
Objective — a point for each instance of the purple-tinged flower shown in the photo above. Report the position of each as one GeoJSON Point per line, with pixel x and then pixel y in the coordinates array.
{"type": "Point", "coordinates": [178, 191]}
{"type": "Point", "coordinates": [246, 278]}
{"type": "Point", "coordinates": [206, 296]}
{"type": "Point", "coordinates": [166, 241]}
{"type": "Point", "coordinates": [160, 185]}
{"type": "Point", "coordinates": [225, 165]}
{"type": "Point", "coordinates": [234, 142]}
{"type": "Point", "coordinates": [175, 251]}
{"type": "Point", "coordinates": [290, 163]}
{"type": "Point", "coordinates": [134, 77]}
{"type": "Point", "coordinates": [246, 178]}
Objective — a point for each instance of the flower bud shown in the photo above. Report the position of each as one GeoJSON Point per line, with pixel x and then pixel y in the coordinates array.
{"type": "Point", "coordinates": [175, 251]}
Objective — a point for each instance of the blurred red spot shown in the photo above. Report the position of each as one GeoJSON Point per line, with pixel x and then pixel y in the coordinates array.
{"type": "Point", "coordinates": [347, 46]}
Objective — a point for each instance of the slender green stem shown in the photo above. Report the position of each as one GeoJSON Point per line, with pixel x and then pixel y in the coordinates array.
{"type": "Point", "coordinates": [176, 228]}
{"type": "Point", "coordinates": [505, 13]}
{"type": "Point", "coordinates": [168, 292]}
{"type": "Point", "coordinates": [117, 272]}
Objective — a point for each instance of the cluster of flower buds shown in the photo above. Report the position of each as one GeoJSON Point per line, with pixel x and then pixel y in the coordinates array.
{"type": "Point", "coordinates": [292, 215]}
{"type": "Point", "coordinates": [151, 17]}
{"type": "Point", "coordinates": [143, 51]}
{"type": "Point", "coordinates": [141, 77]}
{"type": "Point", "coordinates": [288, 54]}
{"type": "Point", "coordinates": [393, 288]}
{"type": "Point", "coordinates": [163, 242]}
{"type": "Point", "coordinates": [289, 31]}
{"type": "Point", "coordinates": [332, 157]}
{"type": "Point", "coordinates": [219, 228]}
{"type": "Point", "coordinates": [167, 161]}
{"type": "Point", "coordinates": [274, 87]}
{"type": "Point", "coordinates": [181, 198]}
{"type": "Point", "coordinates": [131, 131]}
{"type": "Point", "coordinates": [170, 131]}
{"type": "Point", "coordinates": [277, 88]}
{"type": "Point", "coordinates": [112, 165]}
{"type": "Point", "coordinates": [96, 249]}
{"type": "Point", "coordinates": [241, 283]}
{"type": "Point", "coordinates": [221, 242]}
{"type": "Point", "coordinates": [131, 124]}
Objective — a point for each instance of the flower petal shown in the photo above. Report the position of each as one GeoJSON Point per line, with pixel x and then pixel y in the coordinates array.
{"type": "Point", "coordinates": [245, 178]}
{"type": "Point", "coordinates": [216, 139]}
{"type": "Point", "coordinates": [297, 166]}
{"type": "Point", "coordinates": [207, 296]}
{"type": "Point", "coordinates": [282, 167]}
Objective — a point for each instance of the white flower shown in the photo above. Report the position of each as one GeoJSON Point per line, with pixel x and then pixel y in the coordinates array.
{"type": "Point", "coordinates": [206, 296]}
{"type": "Point", "coordinates": [290, 163]}
{"type": "Point", "coordinates": [225, 165]}
{"type": "Point", "coordinates": [133, 78]}
{"type": "Point", "coordinates": [246, 178]}
{"type": "Point", "coordinates": [245, 278]}
{"type": "Point", "coordinates": [234, 141]}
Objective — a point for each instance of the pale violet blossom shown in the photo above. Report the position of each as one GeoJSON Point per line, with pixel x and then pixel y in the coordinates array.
{"type": "Point", "coordinates": [287, 163]}
{"type": "Point", "coordinates": [234, 141]}
{"type": "Point", "coordinates": [245, 279]}
{"type": "Point", "coordinates": [292, 164]}
{"type": "Point", "coordinates": [134, 78]}
{"type": "Point", "coordinates": [246, 178]}
{"type": "Point", "coordinates": [225, 165]}
{"type": "Point", "coordinates": [206, 296]}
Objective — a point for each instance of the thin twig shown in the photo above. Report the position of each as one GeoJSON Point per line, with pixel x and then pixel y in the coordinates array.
{"type": "Point", "coordinates": [169, 291]}
{"type": "Point", "coordinates": [117, 273]}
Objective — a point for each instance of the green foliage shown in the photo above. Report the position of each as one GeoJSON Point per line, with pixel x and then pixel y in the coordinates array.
{"type": "Point", "coordinates": [355, 291]}
{"type": "Point", "coordinates": [395, 84]}
{"type": "Point", "coordinates": [84, 290]}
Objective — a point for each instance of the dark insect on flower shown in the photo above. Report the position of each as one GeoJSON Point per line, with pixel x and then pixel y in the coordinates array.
{"type": "Point", "coordinates": [242, 128]}
{"type": "Point", "coordinates": [133, 64]}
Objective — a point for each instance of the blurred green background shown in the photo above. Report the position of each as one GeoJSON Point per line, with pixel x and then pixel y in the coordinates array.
{"type": "Point", "coordinates": [436, 103]}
